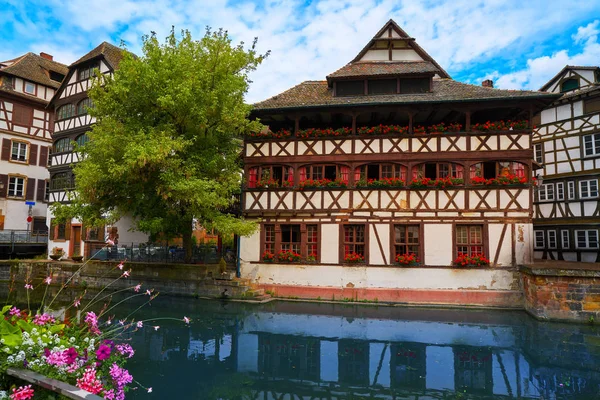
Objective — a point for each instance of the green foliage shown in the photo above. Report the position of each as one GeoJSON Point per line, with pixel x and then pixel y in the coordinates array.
{"type": "Point", "coordinates": [165, 147]}
{"type": "Point", "coordinates": [222, 266]}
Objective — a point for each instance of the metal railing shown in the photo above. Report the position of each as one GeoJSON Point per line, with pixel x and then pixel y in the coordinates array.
{"type": "Point", "coordinates": [23, 236]}
{"type": "Point", "coordinates": [141, 252]}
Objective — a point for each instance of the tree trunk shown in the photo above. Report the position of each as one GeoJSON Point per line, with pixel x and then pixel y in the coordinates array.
{"type": "Point", "coordinates": [187, 240]}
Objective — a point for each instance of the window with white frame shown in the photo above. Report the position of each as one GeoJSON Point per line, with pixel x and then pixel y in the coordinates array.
{"type": "Point", "coordinates": [565, 239]}
{"type": "Point", "coordinates": [571, 186]}
{"type": "Point", "coordinates": [538, 153]}
{"type": "Point", "coordinates": [551, 239]}
{"type": "Point", "coordinates": [587, 239]}
{"type": "Point", "coordinates": [19, 151]}
{"type": "Point", "coordinates": [16, 186]}
{"type": "Point", "coordinates": [560, 191]}
{"type": "Point", "coordinates": [546, 192]}
{"type": "Point", "coordinates": [539, 240]}
{"type": "Point", "coordinates": [29, 87]}
{"type": "Point", "coordinates": [588, 188]}
{"type": "Point", "coordinates": [591, 144]}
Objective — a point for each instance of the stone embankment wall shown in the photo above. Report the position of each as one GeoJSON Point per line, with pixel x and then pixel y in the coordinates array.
{"type": "Point", "coordinates": [171, 279]}
{"type": "Point", "coordinates": [562, 291]}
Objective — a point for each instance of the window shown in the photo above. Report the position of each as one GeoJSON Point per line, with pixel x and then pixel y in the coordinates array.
{"type": "Point", "coordinates": [354, 240]}
{"type": "Point", "coordinates": [382, 86]}
{"type": "Point", "coordinates": [469, 239]}
{"type": "Point", "coordinates": [591, 106]}
{"type": "Point", "coordinates": [61, 232]}
{"type": "Point", "coordinates": [47, 191]}
{"type": "Point", "coordinates": [415, 85]}
{"type": "Point", "coordinates": [495, 169]}
{"type": "Point", "coordinates": [551, 239]}
{"type": "Point", "coordinates": [569, 84]}
{"type": "Point", "coordinates": [587, 239]}
{"type": "Point", "coordinates": [571, 186]}
{"type": "Point", "coordinates": [312, 241]}
{"type": "Point", "coordinates": [406, 239]}
{"type": "Point", "coordinates": [82, 139]}
{"type": "Point", "coordinates": [380, 171]}
{"type": "Point", "coordinates": [83, 105]}
{"type": "Point", "coordinates": [290, 238]}
{"type": "Point", "coordinates": [560, 191]}
{"type": "Point", "coordinates": [22, 115]}
{"type": "Point", "coordinates": [591, 144]}
{"type": "Point", "coordinates": [19, 151]}
{"type": "Point", "coordinates": [65, 111]}
{"type": "Point", "coordinates": [546, 192]}
{"type": "Point", "coordinates": [349, 88]}
{"type": "Point", "coordinates": [56, 76]}
{"type": "Point", "coordinates": [539, 154]}
{"type": "Point", "coordinates": [331, 172]}
{"type": "Point", "coordinates": [29, 87]}
{"type": "Point", "coordinates": [565, 239]}
{"type": "Point", "coordinates": [539, 240]}
{"type": "Point", "coordinates": [61, 181]}
{"type": "Point", "coordinates": [588, 189]}
{"type": "Point", "coordinates": [270, 176]}
{"type": "Point", "coordinates": [86, 72]}
{"type": "Point", "coordinates": [62, 145]}
{"type": "Point", "coordinates": [269, 239]}
{"type": "Point", "coordinates": [438, 170]}
{"type": "Point", "coordinates": [16, 186]}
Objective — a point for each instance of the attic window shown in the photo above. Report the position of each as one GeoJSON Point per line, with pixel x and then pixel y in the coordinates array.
{"type": "Point", "coordinates": [55, 76]}
{"type": "Point", "coordinates": [86, 71]}
{"type": "Point", "coordinates": [382, 86]}
{"type": "Point", "coordinates": [399, 44]}
{"type": "Point", "coordinates": [569, 84]}
{"type": "Point", "coordinates": [381, 44]}
{"type": "Point", "coordinates": [349, 88]}
{"type": "Point", "coordinates": [415, 85]}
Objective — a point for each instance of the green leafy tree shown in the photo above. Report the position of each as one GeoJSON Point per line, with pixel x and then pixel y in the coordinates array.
{"type": "Point", "coordinates": [165, 147]}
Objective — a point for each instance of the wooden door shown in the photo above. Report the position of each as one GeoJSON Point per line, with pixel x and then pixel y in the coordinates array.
{"type": "Point", "coordinates": [1, 222]}
{"type": "Point", "coordinates": [76, 240]}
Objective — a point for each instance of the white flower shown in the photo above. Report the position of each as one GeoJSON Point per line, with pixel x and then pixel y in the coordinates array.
{"type": "Point", "coordinates": [2, 341]}
{"type": "Point", "coordinates": [10, 359]}
{"type": "Point", "coordinates": [86, 339]}
{"type": "Point", "coordinates": [3, 395]}
{"type": "Point", "coordinates": [71, 339]}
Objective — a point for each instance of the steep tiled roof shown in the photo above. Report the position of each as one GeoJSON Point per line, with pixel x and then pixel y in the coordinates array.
{"type": "Point", "coordinates": [34, 68]}
{"type": "Point", "coordinates": [111, 53]}
{"type": "Point", "coordinates": [380, 68]}
{"type": "Point", "coordinates": [583, 90]}
{"type": "Point", "coordinates": [562, 71]}
{"type": "Point", "coordinates": [318, 94]}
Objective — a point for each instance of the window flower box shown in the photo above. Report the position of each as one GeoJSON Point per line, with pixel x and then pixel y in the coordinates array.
{"type": "Point", "coordinates": [381, 183]}
{"type": "Point", "coordinates": [407, 260]}
{"type": "Point", "coordinates": [382, 130]}
{"type": "Point", "coordinates": [268, 257]}
{"type": "Point", "coordinates": [354, 258]}
{"type": "Point", "coordinates": [311, 258]}
{"type": "Point", "coordinates": [288, 256]}
{"type": "Point", "coordinates": [495, 126]}
{"type": "Point", "coordinates": [323, 183]}
{"type": "Point", "coordinates": [503, 180]}
{"type": "Point", "coordinates": [326, 132]}
{"type": "Point", "coordinates": [280, 134]}
{"type": "Point", "coordinates": [442, 183]}
{"type": "Point", "coordinates": [443, 128]}
{"type": "Point", "coordinates": [474, 260]}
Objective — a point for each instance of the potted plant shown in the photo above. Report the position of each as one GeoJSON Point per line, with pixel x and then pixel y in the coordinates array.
{"type": "Point", "coordinates": [56, 253]}
{"type": "Point", "coordinates": [474, 260]}
{"type": "Point", "coordinates": [354, 258]}
{"type": "Point", "coordinates": [76, 256]}
{"type": "Point", "coordinates": [311, 258]}
{"type": "Point", "coordinates": [267, 256]}
{"type": "Point", "coordinates": [288, 256]}
{"type": "Point", "coordinates": [407, 260]}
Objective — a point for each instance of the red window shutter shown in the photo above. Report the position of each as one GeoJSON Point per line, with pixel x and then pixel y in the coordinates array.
{"type": "Point", "coordinates": [252, 177]}
{"type": "Point", "coordinates": [345, 173]}
{"type": "Point", "coordinates": [30, 189]}
{"type": "Point", "coordinates": [302, 174]}
{"type": "Point", "coordinates": [68, 230]}
{"type": "Point", "coordinates": [5, 149]}
{"type": "Point", "coordinates": [4, 185]}
{"type": "Point", "coordinates": [357, 174]}
{"type": "Point", "coordinates": [33, 153]}
{"type": "Point", "coordinates": [41, 190]}
{"type": "Point", "coordinates": [43, 156]}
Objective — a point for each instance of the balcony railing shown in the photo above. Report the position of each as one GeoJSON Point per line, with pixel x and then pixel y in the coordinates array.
{"type": "Point", "coordinates": [23, 236]}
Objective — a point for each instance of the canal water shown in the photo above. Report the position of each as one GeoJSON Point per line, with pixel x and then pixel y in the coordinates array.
{"type": "Point", "coordinates": [294, 350]}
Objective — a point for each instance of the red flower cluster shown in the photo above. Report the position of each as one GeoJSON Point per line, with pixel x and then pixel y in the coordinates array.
{"type": "Point", "coordinates": [288, 256]}
{"type": "Point", "coordinates": [442, 127]}
{"type": "Point", "coordinates": [382, 130]}
{"type": "Point", "coordinates": [474, 259]}
{"type": "Point", "coordinates": [317, 132]}
{"type": "Point", "coordinates": [268, 256]}
{"type": "Point", "coordinates": [383, 182]}
{"type": "Point", "coordinates": [419, 130]}
{"type": "Point", "coordinates": [267, 183]}
{"type": "Point", "coordinates": [354, 258]}
{"type": "Point", "coordinates": [321, 183]}
{"type": "Point", "coordinates": [311, 257]}
{"type": "Point", "coordinates": [439, 182]}
{"type": "Point", "coordinates": [510, 179]}
{"type": "Point", "coordinates": [280, 134]}
{"type": "Point", "coordinates": [500, 126]}
{"type": "Point", "coordinates": [407, 259]}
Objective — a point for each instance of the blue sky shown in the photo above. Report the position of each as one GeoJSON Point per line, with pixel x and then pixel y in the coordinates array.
{"type": "Point", "coordinates": [519, 44]}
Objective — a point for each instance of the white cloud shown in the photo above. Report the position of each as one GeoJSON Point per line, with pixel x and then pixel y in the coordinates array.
{"type": "Point", "coordinates": [590, 31]}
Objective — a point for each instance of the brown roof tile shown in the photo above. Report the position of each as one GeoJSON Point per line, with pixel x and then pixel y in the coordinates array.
{"type": "Point", "coordinates": [379, 68]}
{"type": "Point", "coordinates": [111, 53]}
{"type": "Point", "coordinates": [318, 94]}
{"type": "Point", "coordinates": [34, 68]}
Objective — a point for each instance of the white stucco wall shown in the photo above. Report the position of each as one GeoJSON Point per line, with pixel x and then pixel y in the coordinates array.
{"type": "Point", "coordinates": [250, 247]}
{"type": "Point", "coordinates": [438, 244]}
{"type": "Point", "coordinates": [126, 237]}
{"type": "Point", "coordinates": [375, 255]}
{"type": "Point", "coordinates": [330, 239]}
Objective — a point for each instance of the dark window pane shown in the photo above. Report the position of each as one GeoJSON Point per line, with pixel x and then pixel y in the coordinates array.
{"type": "Point", "coordinates": [349, 88]}
{"type": "Point", "coordinates": [382, 86]}
{"type": "Point", "coordinates": [414, 85]}
{"type": "Point", "coordinates": [569, 84]}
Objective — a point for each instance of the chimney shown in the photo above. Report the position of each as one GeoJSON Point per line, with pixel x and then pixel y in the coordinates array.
{"type": "Point", "coordinates": [488, 83]}
{"type": "Point", "coordinates": [46, 56]}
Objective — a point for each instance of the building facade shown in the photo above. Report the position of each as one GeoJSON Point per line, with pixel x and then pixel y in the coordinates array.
{"type": "Point", "coordinates": [388, 163]}
{"type": "Point", "coordinates": [567, 149]}
{"type": "Point", "coordinates": [27, 84]}
{"type": "Point", "coordinates": [71, 124]}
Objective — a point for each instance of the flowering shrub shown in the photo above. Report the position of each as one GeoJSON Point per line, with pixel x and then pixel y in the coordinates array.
{"type": "Point", "coordinates": [510, 179]}
{"type": "Point", "coordinates": [268, 256]}
{"type": "Point", "coordinates": [354, 258]}
{"type": "Point", "coordinates": [383, 182]}
{"type": "Point", "coordinates": [280, 134]}
{"type": "Point", "coordinates": [321, 183]}
{"type": "Point", "coordinates": [267, 183]}
{"type": "Point", "coordinates": [382, 130]}
{"type": "Point", "coordinates": [326, 132]}
{"type": "Point", "coordinates": [419, 130]}
{"type": "Point", "coordinates": [421, 183]}
{"type": "Point", "coordinates": [287, 184]}
{"type": "Point", "coordinates": [312, 257]}
{"type": "Point", "coordinates": [407, 259]}
{"type": "Point", "coordinates": [474, 259]}
{"type": "Point", "coordinates": [500, 126]}
{"type": "Point", "coordinates": [288, 256]}
{"type": "Point", "coordinates": [442, 127]}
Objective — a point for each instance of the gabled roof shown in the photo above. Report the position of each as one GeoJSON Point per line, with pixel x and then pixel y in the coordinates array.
{"type": "Point", "coordinates": [317, 94]}
{"type": "Point", "coordinates": [112, 54]}
{"type": "Point", "coordinates": [34, 68]}
{"type": "Point", "coordinates": [563, 71]}
{"type": "Point", "coordinates": [359, 67]}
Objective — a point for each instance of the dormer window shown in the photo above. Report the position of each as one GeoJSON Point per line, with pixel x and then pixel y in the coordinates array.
{"type": "Point", "coordinates": [87, 71]}
{"type": "Point", "coordinates": [29, 87]}
{"type": "Point", "coordinates": [383, 86]}
{"type": "Point", "coordinates": [350, 88]}
{"type": "Point", "coordinates": [569, 84]}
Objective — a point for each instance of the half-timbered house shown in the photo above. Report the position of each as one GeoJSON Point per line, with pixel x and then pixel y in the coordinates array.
{"type": "Point", "coordinates": [390, 163]}
{"type": "Point", "coordinates": [27, 83]}
{"type": "Point", "coordinates": [567, 148]}
{"type": "Point", "coordinates": [71, 124]}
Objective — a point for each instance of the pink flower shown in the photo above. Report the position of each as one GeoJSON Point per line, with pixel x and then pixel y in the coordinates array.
{"type": "Point", "coordinates": [122, 321]}
{"type": "Point", "coordinates": [126, 274]}
{"type": "Point", "coordinates": [137, 288]}
{"type": "Point", "coordinates": [148, 292]}
{"type": "Point", "coordinates": [57, 358]}
{"type": "Point", "coordinates": [14, 311]}
{"type": "Point", "coordinates": [186, 320]}
{"type": "Point", "coordinates": [140, 324]}
{"type": "Point", "coordinates": [125, 349]}
{"type": "Point", "coordinates": [22, 393]}
{"type": "Point", "coordinates": [156, 327]}
{"type": "Point", "coordinates": [43, 319]}
{"type": "Point", "coordinates": [103, 352]}
{"type": "Point", "coordinates": [48, 280]}
{"type": "Point", "coordinates": [92, 321]}
{"type": "Point", "coordinates": [76, 303]}
{"type": "Point", "coordinates": [110, 242]}
{"type": "Point", "coordinates": [149, 390]}
{"type": "Point", "coordinates": [89, 382]}
{"type": "Point", "coordinates": [120, 266]}
{"type": "Point", "coordinates": [28, 286]}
